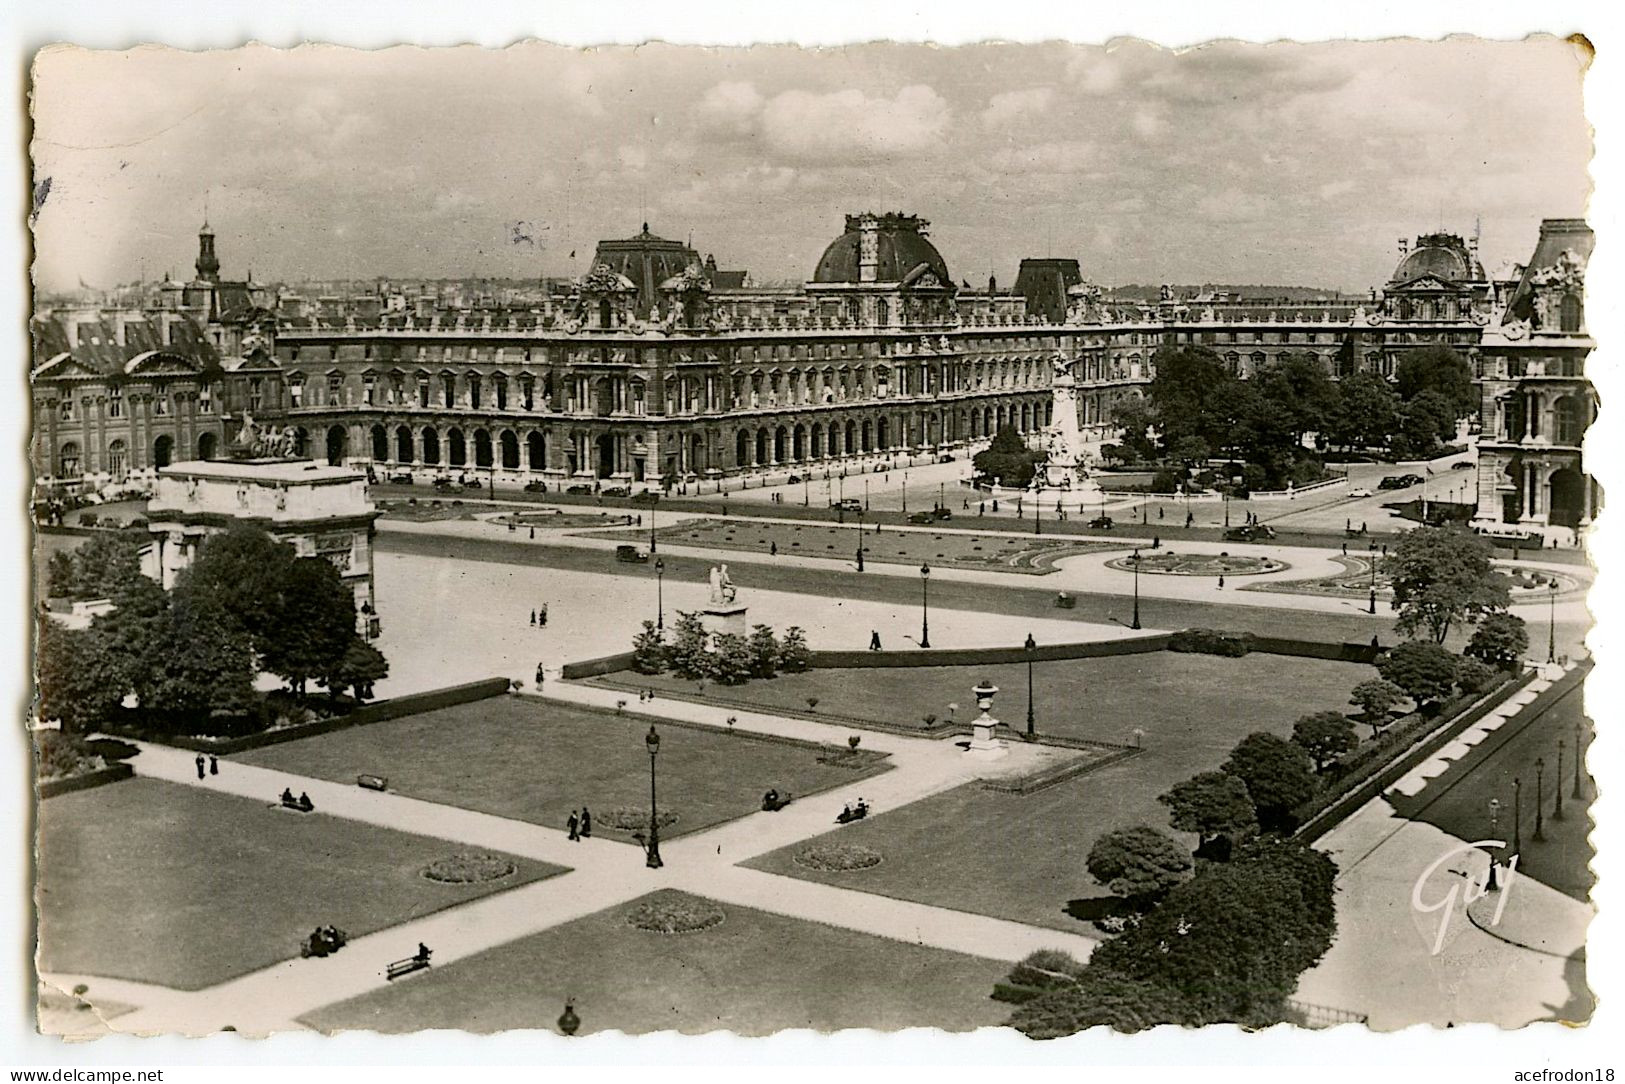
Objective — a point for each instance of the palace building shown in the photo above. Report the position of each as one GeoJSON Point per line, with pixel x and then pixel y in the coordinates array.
{"type": "Point", "coordinates": [657, 367]}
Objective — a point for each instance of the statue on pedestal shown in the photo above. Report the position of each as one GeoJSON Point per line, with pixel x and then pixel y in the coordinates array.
{"type": "Point", "coordinates": [722, 588]}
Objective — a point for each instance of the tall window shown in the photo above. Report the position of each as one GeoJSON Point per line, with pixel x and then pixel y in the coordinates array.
{"type": "Point", "coordinates": [369, 390]}
{"type": "Point", "coordinates": [115, 403]}
{"type": "Point", "coordinates": [65, 410]}
{"type": "Point", "coordinates": [205, 399]}
{"type": "Point", "coordinates": [448, 390]}
{"type": "Point", "coordinates": [1569, 316]}
{"type": "Point", "coordinates": [474, 391]}
{"type": "Point", "coordinates": [335, 385]}
{"type": "Point", "coordinates": [69, 459]}
{"type": "Point", "coordinates": [160, 404]}
{"type": "Point", "coordinates": [296, 392]}
{"type": "Point", "coordinates": [499, 391]}
{"type": "Point", "coordinates": [256, 391]}
{"type": "Point", "coordinates": [423, 391]}
{"type": "Point", "coordinates": [116, 460]}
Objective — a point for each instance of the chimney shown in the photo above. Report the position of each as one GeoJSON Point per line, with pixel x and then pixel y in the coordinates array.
{"type": "Point", "coordinates": [868, 248]}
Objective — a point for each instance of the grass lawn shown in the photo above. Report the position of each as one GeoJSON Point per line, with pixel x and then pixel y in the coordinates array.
{"type": "Point", "coordinates": [754, 974]}
{"type": "Point", "coordinates": [1000, 551]}
{"type": "Point", "coordinates": [1022, 856]}
{"type": "Point", "coordinates": [1183, 699]}
{"type": "Point", "coordinates": [164, 883]}
{"type": "Point", "coordinates": [538, 760]}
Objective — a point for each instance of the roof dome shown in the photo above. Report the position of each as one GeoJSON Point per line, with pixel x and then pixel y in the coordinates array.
{"type": "Point", "coordinates": [901, 248]}
{"type": "Point", "coordinates": [1442, 255]}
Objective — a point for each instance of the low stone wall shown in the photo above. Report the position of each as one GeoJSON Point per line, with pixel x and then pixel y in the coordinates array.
{"type": "Point", "coordinates": [101, 776]}
{"type": "Point", "coordinates": [606, 664]}
{"type": "Point", "coordinates": [973, 656]}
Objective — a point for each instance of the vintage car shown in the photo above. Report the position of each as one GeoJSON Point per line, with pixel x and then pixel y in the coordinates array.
{"type": "Point", "coordinates": [1101, 523]}
{"type": "Point", "coordinates": [631, 555]}
{"type": "Point", "coordinates": [1253, 532]}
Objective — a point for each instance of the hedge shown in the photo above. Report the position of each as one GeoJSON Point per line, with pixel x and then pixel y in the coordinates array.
{"type": "Point", "coordinates": [1232, 645]}
{"type": "Point", "coordinates": [101, 776]}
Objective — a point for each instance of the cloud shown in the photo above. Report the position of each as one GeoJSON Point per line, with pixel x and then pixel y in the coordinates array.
{"type": "Point", "coordinates": [1063, 156]}
{"type": "Point", "coordinates": [849, 125]}
{"type": "Point", "coordinates": [1017, 107]}
{"type": "Point", "coordinates": [731, 108]}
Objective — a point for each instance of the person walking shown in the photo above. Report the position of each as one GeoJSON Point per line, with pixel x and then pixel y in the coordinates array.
{"type": "Point", "coordinates": [1190, 518]}
{"type": "Point", "coordinates": [538, 675]}
{"type": "Point", "coordinates": [200, 765]}
{"type": "Point", "coordinates": [773, 549]}
{"type": "Point", "coordinates": [541, 616]}
{"type": "Point", "coordinates": [574, 825]}
{"type": "Point", "coordinates": [533, 619]}
{"type": "Point", "coordinates": [533, 534]}
{"type": "Point", "coordinates": [214, 765]}
{"type": "Point", "coordinates": [874, 640]}
{"type": "Point", "coordinates": [1221, 581]}
{"type": "Point", "coordinates": [586, 822]}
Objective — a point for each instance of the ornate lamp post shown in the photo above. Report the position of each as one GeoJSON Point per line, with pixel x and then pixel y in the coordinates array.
{"type": "Point", "coordinates": [652, 741]}
{"type": "Point", "coordinates": [860, 540]}
{"type": "Point", "coordinates": [1030, 645]}
{"type": "Point", "coordinates": [1551, 623]}
{"type": "Point", "coordinates": [941, 495]}
{"type": "Point", "coordinates": [925, 605]}
{"type": "Point", "coordinates": [1038, 509]}
{"type": "Point", "coordinates": [660, 592]}
{"type": "Point", "coordinates": [1372, 561]}
{"type": "Point", "coordinates": [866, 493]}
{"type": "Point", "coordinates": [1579, 761]}
{"type": "Point", "coordinates": [806, 489]}
{"type": "Point", "coordinates": [1495, 820]}
{"type": "Point", "coordinates": [1227, 508]}
{"type": "Point", "coordinates": [652, 522]}
{"type": "Point", "coordinates": [905, 494]}
{"type": "Point", "coordinates": [1540, 799]}
{"type": "Point", "coordinates": [1517, 816]}
{"type": "Point", "coordinates": [1557, 806]}
{"type": "Point", "coordinates": [1136, 559]}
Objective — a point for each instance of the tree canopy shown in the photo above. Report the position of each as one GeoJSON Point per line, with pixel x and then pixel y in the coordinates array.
{"type": "Point", "coordinates": [1008, 459]}
{"type": "Point", "coordinates": [1210, 804]}
{"type": "Point", "coordinates": [1277, 773]}
{"type": "Point", "coordinates": [1139, 864]}
{"type": "Point", "coordinates": [1325, 736]}
{"type": "Point", "coordinates": [1501, 640]}
{"type": "Point", "coordinates": [1426, 671]}
{"type": "Point", "coordinates": [1440, 370]}
{"type": "Point", "coordinates": [1375, 698]}
{"type": "Point", "coordinates": [1441, 575]}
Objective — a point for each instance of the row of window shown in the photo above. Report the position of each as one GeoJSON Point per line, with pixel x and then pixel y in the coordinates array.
{"type": "Point", "coordinates": [68, 408]}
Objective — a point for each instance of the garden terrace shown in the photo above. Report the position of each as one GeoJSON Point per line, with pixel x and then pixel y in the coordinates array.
{"type": "Point", "coordinates": [537, 760]}
{"type": "Point", "coordinates": [161, 883]}
{"type": "Point", "coordinates": [716, 978]}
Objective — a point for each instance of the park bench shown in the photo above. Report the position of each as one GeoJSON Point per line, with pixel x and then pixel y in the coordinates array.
{"type": "Point", "coordinates": [372, 782]}
{"type": "Point", "coordinates": [406, 967]}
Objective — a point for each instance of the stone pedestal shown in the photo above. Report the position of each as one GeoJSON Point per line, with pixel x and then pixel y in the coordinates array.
{"type": "Point", "coordinates": [725, 618]}
{"type": "Point", "coordinates": [984, 745]}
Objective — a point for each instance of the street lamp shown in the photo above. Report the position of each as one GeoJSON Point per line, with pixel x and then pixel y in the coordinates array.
{"type": "Point", "coordinates": [942, 498]}
{"type": "Point", "coordinates": [866, 493]}
{"type": "Point", "coordinates": [652, 741]}
{"type": "Point", "coordinates": [860, 540]}
{"type": "Point", "coordinates": [1136, 559]}
{"type": "Point", "coordinates": [1540, 799]}
{"type": "Point", "coordinates": [660, 592]}
{"type": "Point", "coordinates": [1557, 806]}
{"type": "Point", "coordinates": [925, 604]}
{"type": "Point", "coordinates": [1030, 645]}
{"type": "Point", "coordinates": [1227, 508]}
{"type": "Point", "coordinates": [1579, 759]}
{"type": "Point", "coordinates": [1372, 561]}
{"type": "Point", "coordinates": [1551, 622]}
{"type": "Point", "coordinates": [1517, 816]}
{"type": "Point", "coordinates": [806, 489]}
{"type": "Point", "coordinates": [1038, 511]}
{"type": "Point", "coordinates": [1495, 820]}
{"type": "Point", "coordinates": [652, 503]}
{"type": "Point", "coordinates": [905, 494]}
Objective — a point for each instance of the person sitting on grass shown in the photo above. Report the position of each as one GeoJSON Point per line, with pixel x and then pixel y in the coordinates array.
{"type": "Point", "coordinates": [287, 798]}
{"type": "Point", "coordinates": [305, 804]}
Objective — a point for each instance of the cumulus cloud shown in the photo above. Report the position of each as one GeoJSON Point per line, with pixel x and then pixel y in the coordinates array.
{"type": "Point", "coordinates": [849, 125]}
{"type": "Point", "coordinates": [731, 107]}
{"type": "Point", "coordinates": [1017, 107]}
{"type": "Point", "coordinates": [1060, 156]}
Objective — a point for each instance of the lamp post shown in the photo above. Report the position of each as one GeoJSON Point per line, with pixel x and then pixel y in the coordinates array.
{"type": "Point", "coordinates": [942, 498]}
{"type": "Point", "coordinates": [1030, 645]}
{"type": "Point", "coordinates": [806, 489]}
{"type": "Point", "coordinates": [925, 604]}
{"type": "Point", "coordinates": [1551, 623]}
{"type": "Point", "coordinates": [866, 493]}
{"type": "Point", "coordinates": [652, 504]}
{"type": "Point", "coordinates": [652, 741]}
{"type": "Point", "coordinates": [1038, 511]}
{"type": "Point", "coordinates": [1557, 806]}
{"type": "Point", "coordinates": [1372, 561]}
{"type": "Point", "coordinates": [1495, 820]}
{"type": "Point", "coordinates": [1540, 799]}
{"type": "Point", "coordinates": [1579, 759]}
{"type": "Point", "coordinates": [1136, 559]}
{"type": "Point", "coordinates": [1227, 508]}
{"type": "Point", "coordinates": [905, 494]}
{"type": "Point", "coordinates": [1517, 816]}
{"type": "Point", "coordinates": [660, 592]}
{"type": "Point", "coordinates": [860, 540]}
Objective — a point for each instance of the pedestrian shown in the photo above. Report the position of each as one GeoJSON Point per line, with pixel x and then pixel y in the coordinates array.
{"type": "Point", "coordinates": [995, 504]}
{"type": "Point", "coordinates": [1345, 549]}
{"type": "Point", "coordinates": [1190, 518]}
{"type": "Point", "coordinates": [423, 954]}
{"type": "Point", "coordinates": [1159, 511]}
{"type": "Point", "coordinates": [1362, 526]}
{"type": "Point", "coordinates": [214, 765]}
{"type": "Point", "coordinates": [533, 619]}
{"type": "Point", "coordinates": [1221, 581]}
{"type": "Point", "coordinates": [874, 640]}
{"type": "Point", "coordinates": [640, 519]}
{"type": "Point", "coordinates": [541, 615]}
{"type": "Point", "coordinates": [773, 549]}
{"type": "Point", "coordinates": [538, 675]}
{"type": "Point", "coordinates": [1348, 524]}
{"type": "Point", "coordinates": [200, 765]}
{"type": "Point", "coordinates": [1376, 643]}
{"type": "Point", "coordinates": [533, 534]}
{"type": "Point", "coordinates": [586, 822]}
{"type": "Point", "coordinates": [981, 507]}
{"type": "Point", "coordinates": [966, 505]}
{"type": "Point", "coordinates": [510, 526]}
{"type": "Point", "coordinates": [574, 824]}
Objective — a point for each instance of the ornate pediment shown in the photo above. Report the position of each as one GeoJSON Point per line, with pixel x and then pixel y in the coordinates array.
{"type": "Point", "coordinates": [1425, 284]}
{"type": "Point", "coordinates": [159, 361]}
{"type": "Point", "coordinates": [65, 366]}
{"type": "Point", "coordinates": [1568, 273]}
{"type": "Point", "coordinates": [603, 279]}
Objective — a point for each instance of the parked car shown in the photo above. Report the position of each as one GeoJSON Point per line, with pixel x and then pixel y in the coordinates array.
{"type": "Point", "coordinates": [631, 554]}
{"type": "Point", "coordinates": [616, 491]}
{"type": "Point", "coordinates": [942, 513]}
{"type": "Point", "coordinates": [447, 485]}
{"type": "Point", "coordinates": [1253, 532]}
{"type": "Point", "coordinates": [1463, 464]}
{"type": "Point", "coordinates": [850, 504]}
{"type": "Point", "coordinates": [400, 478]}
{"type": "Point", "coordinates": [1401, 481]}
{"type": "Point", "coordinates": [536, 486]}
{"type": "Point", "coordinates": [922, 517]}
{"type": "Point", "coordinates": [580, 490]}
{"type": "Point", "coordinates": [1101, 523]}
{"type": "Point", "coordinates": [1361, 492]}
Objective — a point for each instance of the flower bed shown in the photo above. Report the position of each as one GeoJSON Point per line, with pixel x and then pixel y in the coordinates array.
{"type": "Point", "coordinates": [1198, 564]}
{"type": "Point", "coordinates": [675, 913]}
{"type": "Point", "coordinates": [632, 820]}
{"type": "Point", "coordinates": [470, 868]}
{"type": "Point", "coordinates": [838, 858]}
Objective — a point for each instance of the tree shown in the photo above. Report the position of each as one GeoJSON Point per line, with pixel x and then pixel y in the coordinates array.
{"type": "Point", "coordinates": [1501, 639]}
{"type": "Point", "coordinates": [764, 651]}
{"type": "Point", "coordinates": [1375, 699]}
{"type": "Point", "coordinates": [1102, 999]}
{"type": "Point", "coordinates": [310, 626]}
{"type": "Point", "coordinates": [1190, 450]}
{"type": "Point", "coordinates": [1314, 871]}
{"type": "Point", "coordinates": [78, 685]}
{"type": "Point", "coordinates": [1440, 370]}
{"type": "Point", "coordinates": [688, 656]}
{"type": "Point", "coordinates": [249, 572]}
{"type": "Point", "coordinates": [730, 660]}
{"type": "Point", "coordinates": [1277, 774]}
{"type": "Point", "coordinates": [794, 655]}
{"type": "Point", "coordinates": [1325, 736]}
{"type": "Point", "coordinates": [1426, 671]}
{"type": "Point", "coordinates": [1476, 676]}
{"type": "Point", "coordinates": [1300, 393]}
{"type": "Point", "coordinates": [99, 568]}
{"type": "Point", "coordinates": [649, 650]}
{"type": "Point", "coordinates": [1424, 423]}
{"type": "Point", "coordinates": [1211, 805]}
{"type": "Point", "coordinates": [1008, 459]}
{"type": "Point", "coordinates": [1366, 414]}
{"type": "Point", "coordinates": [1140, 864]}
{"type": "Point", "coordinates": [356, 669]}
{"type": "Point", "coordinates": [62, 576]}
{"type": "Point", "coordinates": [1441, 575]}
{"type": "Point", "coordinates": [1188, 395]}
{"type": "Point", "coordinates": [205, 669]}
{"type": "Point", "coordinates": [1135, 417]}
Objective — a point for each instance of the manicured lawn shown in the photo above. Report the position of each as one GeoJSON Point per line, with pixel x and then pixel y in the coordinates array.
{"type": "Point", "coordinates": [537, 760]}
{"type": "Point", "coordinates": [1004, 552]}
{"type": "Point", "coordinates": [754, 974]}
{"type": "Point", "coordinates": [164, 883]}
{"type": "Point", "coordinates": [1022, 856]}
{"type": "Point", "coordinates": [1185, 699]}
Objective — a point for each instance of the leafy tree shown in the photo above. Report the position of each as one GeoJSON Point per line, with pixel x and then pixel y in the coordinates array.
{"type": "Point", "coordinates": [1190, 450]}
{"type": "Point", "coordinates": [1440, 370]}
{"type": "Point", "coordinates": [730, 660]}
{"type": "Point", "coordinates": [649, 650]}
{"type": "Point", "coordinates": [1476, 676]}
{"type": "Point", "coordinates": [1135, 417]}
{"type": "Point", "coordinates": [206, 667]}
{"type": "Point", "coordinates": [62, 575]}
{"type": "Point", "coordinates": [1299, 393]}
{"type": "Point", "coordinates": [1375, 699]}
{"type": "Point", "coordinates": [77, 682]}
{"type": "Point", "coordinates": [1139, 864]}
{"type": "Point", "coordinates": [1102, 999]}
{"type": "Point", "coordinates": [688, 655]}
{"type": "Point", "coordinates": [1314, 871]}
{"type": "Point", "coordinates": [129, 640]}
{"type": "Point", "coordinates": [764, 652]}
{"type": "Point", "coordinates": [1366, 414]}
{"type": "Point", "coordinates": [1008, 459]}
{"type": "Point", "coordinates": [311, 625]}
{"type": "Point", "coordinates": [1501, 639]}
{"type": "Point", "coordinates": [1426, 671]}
{"type": "Point", "coordinates": [249, 573]}
{"type": "Point", "coordinates": [1189, 397]}
{"type": "Point", "coordinates": [1424, 423]}
{"type": "Point", "coordinates": [356, 669]}
{"type": "Point", "coordinates": [97, 569]}
{"type": "Point", "coordinates": [1277, 773]}
{"type": "Point", "coordinates": [1325, 736]}
{"type": "Point", "coordinates": [1211, 805]}
{"type": "Point", "coordinates": [794, 655]}
{"type": "Point", "coordinates": [1442, 575]}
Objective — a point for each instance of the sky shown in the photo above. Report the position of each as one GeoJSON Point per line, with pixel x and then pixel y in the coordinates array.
{"type": "Point", "coordinates": [1283, 164]}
